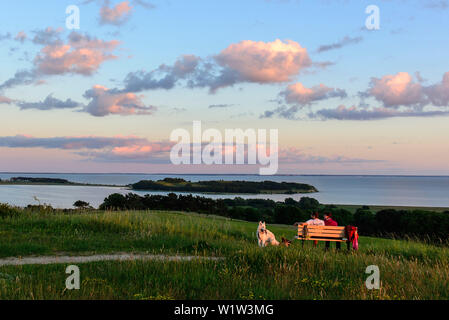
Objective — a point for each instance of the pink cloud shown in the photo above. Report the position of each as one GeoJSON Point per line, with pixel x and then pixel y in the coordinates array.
{"type": "Point", "coordinates": [5, 100]}
{"type": "Point", "coordinates": [115, 15]}
{"type": "Point", "coordinates": [265, 62]}
{"type": "Point", "coordinates": [108, 149]}
{"type": "Point", "coordinates": [297, 93]}
{"type": "Point", "coordinates": [81, 55]}
{"type": "Point", "coordinates": [141, 151]}
{"type": "Point", "coordinates": [71, 143]}
{"type": "Point", "coordinates": [105, 102]}
{"type": "Point", "coordinates": [21, 36]}
{"type": "Point", "coordinates": [247, 61]}
{"type": "Point", "coordinates": [397, 90]}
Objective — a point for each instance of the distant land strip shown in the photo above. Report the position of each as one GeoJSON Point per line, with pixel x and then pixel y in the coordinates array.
{"type": "Point", "coordinates": [222, 186]}
{"type": "Point", "coordinates": [50, 181]}
{"type": "Point", "coordinates": [181, 185]}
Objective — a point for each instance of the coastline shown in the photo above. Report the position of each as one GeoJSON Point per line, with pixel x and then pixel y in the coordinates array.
{"type": "Point", "coordinates": [350, 207]}
{"type": "Point", "coordinates": [349, 193]}
{"type": "Point", "coordinates": [163, 187]}
{"type": "Point", "coordinates": [72, 184]}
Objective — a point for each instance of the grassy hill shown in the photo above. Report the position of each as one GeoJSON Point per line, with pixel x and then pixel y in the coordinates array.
{"type": "Point", "coordinates": [408, 269]}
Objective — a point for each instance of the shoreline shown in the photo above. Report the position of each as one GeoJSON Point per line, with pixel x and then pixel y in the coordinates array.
{"type": "Point", "coordinates": [3, 183]}
{"type": "Point", "coordinates": [127, 188]}
{"type": "Point", "coordinates": [73, 184]}
{"type": "Point", "coordinates": [133, 189]}
{"type": "Point", "coordinates": [350, 207]}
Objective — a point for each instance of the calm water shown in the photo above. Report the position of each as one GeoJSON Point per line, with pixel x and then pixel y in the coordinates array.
{"type": "Point", "coordinates": [359, 190]}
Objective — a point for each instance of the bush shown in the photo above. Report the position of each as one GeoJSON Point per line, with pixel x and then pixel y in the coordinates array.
{"type": "Point", "coordinates": [365, 220]}
{"type": "Point", "coordinates": [343, 217]}
{"type": "Point", "coordinates": [389, 221]}
{"type": "Point", "coordinates": [309, 203]}
{"type": "Point", "coordinates": [8, 211]}
{"type": "Point", "coordinates": [81, 204]}
{"type": "Point", "coordinates": [287, 214]}
{"type": "Point", "coordinates": [417, 223]}
{"type": "Point", "coordinates": [115, 201]}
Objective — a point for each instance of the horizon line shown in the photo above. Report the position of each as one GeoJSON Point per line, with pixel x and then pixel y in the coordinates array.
{"type": "Point", "coordinates": [225, 174]}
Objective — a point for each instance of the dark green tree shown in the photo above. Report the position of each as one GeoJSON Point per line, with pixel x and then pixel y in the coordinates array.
{"type": "Point", "coordinates": [81, 204]}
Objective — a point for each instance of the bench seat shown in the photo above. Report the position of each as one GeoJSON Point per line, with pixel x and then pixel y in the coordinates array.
{"type": "Point", "coordinates": [321, 233]}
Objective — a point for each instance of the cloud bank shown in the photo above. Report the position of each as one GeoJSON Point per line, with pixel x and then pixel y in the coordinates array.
{"type": "Point", "coordinates": [360, 113]}
{"type": "Point", "coordinates": [297, 93]}
{"type": "Point", "coordinates": [135, 149]}
{"type": "Point", "coordinates": [105, 102]}
{"type": "Point", "coordinates": [80, 54]}
{"type": "Point", "coordinates": [398, 93]}
{"type": "Point", "coordinates": [244, 62]}
{"type": "Point", "coordinates": [97, 148]}
{"type": "Point", "coordinates": [49, 103]}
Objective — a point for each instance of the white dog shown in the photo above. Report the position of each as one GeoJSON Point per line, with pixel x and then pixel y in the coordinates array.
{"type": "Point", "coordinates": [265, 236]}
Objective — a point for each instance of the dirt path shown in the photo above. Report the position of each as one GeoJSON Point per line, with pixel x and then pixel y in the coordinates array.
{"type": "Point", "coordinates": [98, 257]}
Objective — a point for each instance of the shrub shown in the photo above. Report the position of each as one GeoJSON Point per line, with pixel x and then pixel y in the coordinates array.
{"type": "Point", "coordinates": [308, 203]}
{"type": "Point", "coordinates": [287, 214]}
{"type": "Point", "coordinates": [389, 221]}
{"type": "Point", "coordinates": [343, 217]}
{"type": "Point", "coordinates": [81, 204]}
{"type": "Point", "coordinates": [8, 211]}
{"type": "Point", "coordinates": [115, 201]}
{"type": "Point", "coordinates": [416, 223]}
{"type": "Point", "coordinates": [365, 220]}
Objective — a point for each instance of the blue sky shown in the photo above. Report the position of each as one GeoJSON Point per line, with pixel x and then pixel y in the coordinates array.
{"type": "Point", "coordinates": [351, 124]}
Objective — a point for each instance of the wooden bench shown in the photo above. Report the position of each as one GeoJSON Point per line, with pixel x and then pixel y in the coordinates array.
{"type": "Point", "coordinates": [322, 233]}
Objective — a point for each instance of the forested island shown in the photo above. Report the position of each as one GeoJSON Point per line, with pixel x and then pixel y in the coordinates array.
{"type": "Point", "coordinates": [48, 181]}
{"type": "Point", "coordinates": [222, 186]}
{"type": "Point", "coordinates": [28, 180]}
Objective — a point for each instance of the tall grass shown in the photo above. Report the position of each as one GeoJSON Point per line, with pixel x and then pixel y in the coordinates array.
{"type": "Point", "coordinates": [409, 269]}
{"type": "Point", "coordinates": [103, 232]}
{"type": "Point", "coordinates": [251, 273]}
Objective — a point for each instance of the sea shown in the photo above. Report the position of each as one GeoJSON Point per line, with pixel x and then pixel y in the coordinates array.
{"type": "Point", "coordinates": [419, 191]}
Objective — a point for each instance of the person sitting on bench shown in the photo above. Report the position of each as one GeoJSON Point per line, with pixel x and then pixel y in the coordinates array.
{"type": "Point", "coordinates": [315, 221]}
{"type": "Point", "coordinates": [328, 221]}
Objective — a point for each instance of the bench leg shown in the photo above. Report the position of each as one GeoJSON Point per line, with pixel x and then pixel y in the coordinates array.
{"type": "Point", "coordinates": [348, 244]}
{"type": "Point", "coordinates": [302, 243]}
{"type": "Point", "coordinates": [338, 245]}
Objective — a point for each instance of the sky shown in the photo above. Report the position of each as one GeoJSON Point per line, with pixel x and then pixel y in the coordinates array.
{"type": "Point", "coordinates": [105, 97]}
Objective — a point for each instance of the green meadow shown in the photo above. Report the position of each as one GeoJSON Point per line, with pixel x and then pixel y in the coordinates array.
{"type": "Point", "coordinates": [409, 269]}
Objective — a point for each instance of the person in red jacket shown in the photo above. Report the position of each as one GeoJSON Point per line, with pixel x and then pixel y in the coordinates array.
{"type": "Point", "coordinates": [328, 221]}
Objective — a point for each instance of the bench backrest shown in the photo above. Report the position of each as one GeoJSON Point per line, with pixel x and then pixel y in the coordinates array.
{"type": "Point", "coordinates": [328, 233]}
